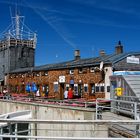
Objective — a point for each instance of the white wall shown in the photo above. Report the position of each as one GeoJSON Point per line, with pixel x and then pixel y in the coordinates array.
{"type": "Point", "coordinates": [108, 72]}
{"type": "Point", "coordinates": [51, 112]}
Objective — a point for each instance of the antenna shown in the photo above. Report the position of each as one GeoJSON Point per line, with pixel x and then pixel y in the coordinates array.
{"type": "Point", "coordinates": [17, 26]}
{"type": "Point", "coordinates": [11, 14]}
{"type": "Point", "coordinates": [17, 29]}
{"type": "Point", "coordinates": [17, 22]}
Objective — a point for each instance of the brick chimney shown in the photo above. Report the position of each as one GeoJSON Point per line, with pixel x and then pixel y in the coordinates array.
{"type": "Point", "coordinates": [119, 48]}
{"type": "Point", "coordinates": [77, 54]}
{"type": "Point", "coordinates": [102, 53]}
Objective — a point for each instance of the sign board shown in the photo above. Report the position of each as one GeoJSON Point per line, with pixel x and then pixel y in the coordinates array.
{"type": "Point", "coordinates": [61, 79]}
{"type": "Point", "coordinates": [119, 91]}
{"type": "Point", "coordinates": [71, 82]}
{"type": "Point", "coordinates": [133, 59]}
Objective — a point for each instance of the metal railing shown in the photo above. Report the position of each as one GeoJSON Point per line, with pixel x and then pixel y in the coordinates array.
{"type": "Point", "coordinates": [69, 129]}
{"type": "Point", "coordinates": [61, 138]}
{"type": "Point", "coordinates": [72, 102]}
{"type": "Point", "coordinates": [119, 106]}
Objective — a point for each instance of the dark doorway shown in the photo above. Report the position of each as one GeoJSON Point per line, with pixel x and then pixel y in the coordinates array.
{"type": "Point", "coordinates": [61, 91]}
{"type": "Point", "coordinates": [92, 89]}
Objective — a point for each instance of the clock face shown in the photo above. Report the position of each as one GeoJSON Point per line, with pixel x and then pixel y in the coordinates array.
{"type": "Point", "coordinates": [61, 79]}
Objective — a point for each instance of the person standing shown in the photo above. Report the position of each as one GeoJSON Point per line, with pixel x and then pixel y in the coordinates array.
{"type": "Point", "coordinates": [70, 94]}
{"type": "Point", "coordinates": [38, 93]}
{"type": "Point", "coordinates": [66, 94]}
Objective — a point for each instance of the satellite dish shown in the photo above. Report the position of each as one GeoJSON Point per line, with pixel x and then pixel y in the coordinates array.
{"type": "Point", "coordinates": [101, 65]}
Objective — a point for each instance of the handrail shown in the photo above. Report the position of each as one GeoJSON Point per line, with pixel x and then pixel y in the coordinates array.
{"type": "Point", "coordinates": [71, 121]}
{"type": "Point", "coordinates": [64, 138]}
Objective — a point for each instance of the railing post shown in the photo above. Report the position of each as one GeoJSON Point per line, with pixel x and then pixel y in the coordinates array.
{"type": "Point", "coordinates": [85, 104]}
{"type": "Point", "coordinates": [96, 109]}
{"type": "Point", "coordinates": [16, 131]}
{"type": "Point", "coordinates": [10, 129]}
{"type": "Point", "coordinates": [137, 131]}
{"type": "Point", "coordinates": [135, 110]}
{"type": "Point", "coordinates": [136, 117]}
{"type": "Point", "coordinates": [1, 132]}
{"type": "Point", "coordinates": [29, 128]}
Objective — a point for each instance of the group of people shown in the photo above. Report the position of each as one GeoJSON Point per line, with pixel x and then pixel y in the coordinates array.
{"type": "Point", "coordinates": [68, 94]}
{"type": "Point", "coordinates": [34, 90]}
{"type": "Point", "coordinates": [38, 94]}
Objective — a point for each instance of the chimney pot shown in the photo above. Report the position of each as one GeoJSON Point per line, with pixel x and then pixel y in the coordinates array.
{"type": "Point", "coordinates": [77, 54]}
{"type": "Point", "coordinates": [102, 52]}
{"type": "Point", "coordinates": [119, 48]}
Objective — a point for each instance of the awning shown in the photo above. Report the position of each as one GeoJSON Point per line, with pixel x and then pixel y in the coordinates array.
{"type": "Point", "coordinates": [71, 82]}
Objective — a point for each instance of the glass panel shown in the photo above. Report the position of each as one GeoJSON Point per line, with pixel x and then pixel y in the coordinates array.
{"type": "Point", "coordinates": [55, 87]}
{"type": "Point", "coordinates": [85, 89]}
{"type": "Point", "coordinates": [97, 88]}
{"type": "Point", "coordinates": [102, 89]}
{"type": "Point", "coordinates": [108, 88]}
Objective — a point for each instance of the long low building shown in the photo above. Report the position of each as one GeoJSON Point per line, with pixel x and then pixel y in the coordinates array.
{"type": "Point", "coordinates": [89, 78]}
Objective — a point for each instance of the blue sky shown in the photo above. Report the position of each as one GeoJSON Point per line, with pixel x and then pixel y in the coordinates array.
{"type": "Point", "coordinates": [88, 25]}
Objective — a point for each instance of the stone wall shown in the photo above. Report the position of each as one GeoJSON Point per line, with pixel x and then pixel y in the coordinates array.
{"type": "Point", "coordinates": [80, 79]}
{"type": "Point", "coordinates": [15, 55]}
{"type": "Point", "coordinates": [21, 57]}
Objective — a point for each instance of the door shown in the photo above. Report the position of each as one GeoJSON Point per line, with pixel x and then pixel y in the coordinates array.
{"type": "Point", "coordinates": [80, 90]}
{"type": "Point", "coordinates": [61, 91]}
